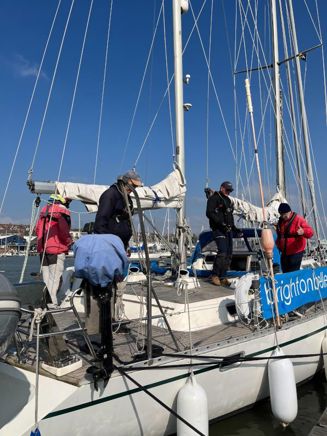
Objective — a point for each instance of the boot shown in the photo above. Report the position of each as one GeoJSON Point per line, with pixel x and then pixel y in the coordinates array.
{"type": "Point", "coordinates": [225, 282]}
{"type": "Point", "coordinates": [215, 280]}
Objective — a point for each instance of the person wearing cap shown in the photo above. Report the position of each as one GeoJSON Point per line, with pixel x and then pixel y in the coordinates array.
{"type": "Point", "coordinates": [221, 220]}
{"type": "Point", "coordinates": [53, 241]}
{"type": "Point", "coordinates": [292, 234]}
{"type": "Point", "coordinates": [113, 216]}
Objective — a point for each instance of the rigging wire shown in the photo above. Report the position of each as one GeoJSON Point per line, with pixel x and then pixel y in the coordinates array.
{"type": "Point", "coordinates": [296, 143]}
{"type": "Point", "coordinates": [52, 83]}
{"type": "Point", "coordinates": [145, 390]}
{"type": "Point", "coordinates": [269, 183]}
{"type": "Point", "coordinates": [29, 106]}
{"type": "Point", "coordinates": [213, 84]}
{"type": "Point", "coordinates": [323, 60]}
{"type": "Point", "coordinates": [313, 22]}
{"type": "Point", "coordinates": [141, 86]}
{"type": "Point", "coordinates": [75, 90]}
{"type": "Point", "coordinates": [262, 51]}
{"type": "Point", "coordinates": [208, 99]}
{"type": "Point", "coordinates": [244, 129]}
{"type": "Point", "coordinates": [238, 164]}
{"type": "Point", "coordinates": [167, 89]}
{"type": "Point", "coordinates": [103, 92]}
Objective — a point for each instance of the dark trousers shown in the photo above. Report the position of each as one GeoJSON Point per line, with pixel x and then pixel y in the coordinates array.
{"type": "Point", "coordinates": [291, 262]}
{"type": "Point", "coordinates": [224, 242]}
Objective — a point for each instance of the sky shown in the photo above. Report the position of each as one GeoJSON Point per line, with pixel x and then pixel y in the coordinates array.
{"type": "Point", "coordinates": [218, 148]}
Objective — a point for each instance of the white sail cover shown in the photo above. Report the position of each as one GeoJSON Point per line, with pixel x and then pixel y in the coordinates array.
{"type": "Point", "coordinates": [167, 193]}
{"type": "Point", "coordinates": [252, 213]}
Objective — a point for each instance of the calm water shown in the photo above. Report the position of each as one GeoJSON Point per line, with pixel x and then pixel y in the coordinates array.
{"type": "Point", "coordinates": [257, 421]}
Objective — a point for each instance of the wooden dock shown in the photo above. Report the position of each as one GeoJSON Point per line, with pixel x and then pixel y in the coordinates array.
{"type": "Point", "coordinates": [321, 428]}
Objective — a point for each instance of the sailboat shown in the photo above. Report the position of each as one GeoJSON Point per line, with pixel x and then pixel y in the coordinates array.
{"type": "Point", "coordinates": [178, 328]}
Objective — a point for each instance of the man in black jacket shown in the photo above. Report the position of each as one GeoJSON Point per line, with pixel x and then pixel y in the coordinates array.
{"type": "Point", "coordinates": [221, 220]}
{"type": "Point", "coordinates": [113, 215]}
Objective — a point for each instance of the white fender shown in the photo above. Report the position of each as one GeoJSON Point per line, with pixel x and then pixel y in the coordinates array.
{"type": "Point", "coordinates": [324, 350]}
{"type": "Point", "coordinates": [282, 387]}
{"type": "Point", "coordinates": [243, 300]}
{"type": "Point", "coordinates": [192, 405]}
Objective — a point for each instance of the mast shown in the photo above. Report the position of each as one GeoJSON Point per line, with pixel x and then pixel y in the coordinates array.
{"type": "Point", "coordinates": [304, 120]}
{"type": "Point", "coordinates": [293, 119]}
{"type": "Point", "coordinates": [179, 115]}
{"type": "Point", "coordinates": [280, 170]}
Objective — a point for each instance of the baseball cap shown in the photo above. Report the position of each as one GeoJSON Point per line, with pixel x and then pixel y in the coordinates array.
{"type": "Point", "coordinates": [228, 186]}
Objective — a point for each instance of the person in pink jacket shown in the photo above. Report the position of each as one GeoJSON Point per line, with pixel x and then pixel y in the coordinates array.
{"type": "Point", "coordinates": [292, 234]}
{"type": "Point", "coordinates": [53, 241]}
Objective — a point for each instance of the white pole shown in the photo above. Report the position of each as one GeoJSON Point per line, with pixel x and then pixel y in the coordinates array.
{"type": "Point", "coordinates": [179, 111]}
{"type": "Point", "coordinates": [276, 82]}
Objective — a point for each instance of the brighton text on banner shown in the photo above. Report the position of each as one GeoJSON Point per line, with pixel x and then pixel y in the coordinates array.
{"type": "Point", "coordinates": [293, 289]}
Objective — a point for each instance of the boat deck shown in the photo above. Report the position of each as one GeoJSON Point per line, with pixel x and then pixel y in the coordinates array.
{"type": "Point", "coordinates": [167, 292]}
{"type": "Point", "coordinates": [129, 338]}
{"type": "Point", "coordinates": [128, 344]}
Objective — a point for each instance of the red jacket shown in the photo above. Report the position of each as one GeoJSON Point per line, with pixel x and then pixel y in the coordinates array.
{"type": "Point", "coordinates": [288, 241]}
{"type": "Point", "coordinates": [52, 230]}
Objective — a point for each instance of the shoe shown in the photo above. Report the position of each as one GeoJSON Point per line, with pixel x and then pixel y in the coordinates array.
{"type": "Point", "coordinates": [215, 280]}
{"type": "Point", "coordinates": [225, 282]}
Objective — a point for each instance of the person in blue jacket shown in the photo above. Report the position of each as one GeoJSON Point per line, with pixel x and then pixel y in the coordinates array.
{"type": "Point", "coordinates": [113, 216]}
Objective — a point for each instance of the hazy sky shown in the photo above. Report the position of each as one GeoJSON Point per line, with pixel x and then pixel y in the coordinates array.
{"type": "Point", "coordinates": [24, 30]}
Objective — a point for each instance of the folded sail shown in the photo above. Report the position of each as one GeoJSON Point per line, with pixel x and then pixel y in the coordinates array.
{"type": "Point", "coordinates": [252, 213]}
{"type": "Point", "coordinates": [167, 193]}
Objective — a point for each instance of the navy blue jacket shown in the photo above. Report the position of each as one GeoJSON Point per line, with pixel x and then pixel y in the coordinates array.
{"type": "Point", "coordinates": [220, 212]}
{"type": "Point", "coordinates": [112, 216]}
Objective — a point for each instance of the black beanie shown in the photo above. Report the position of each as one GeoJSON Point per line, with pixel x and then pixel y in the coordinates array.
{"type": "Point", "coordinates": [284, 208]}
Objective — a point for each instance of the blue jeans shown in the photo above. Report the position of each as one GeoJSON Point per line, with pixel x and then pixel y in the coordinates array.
{"type": "Point", "coordinates": [224, 242]}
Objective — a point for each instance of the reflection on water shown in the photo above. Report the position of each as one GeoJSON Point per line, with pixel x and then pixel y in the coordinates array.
{"type": "Point", "coordinates": [258, 421]}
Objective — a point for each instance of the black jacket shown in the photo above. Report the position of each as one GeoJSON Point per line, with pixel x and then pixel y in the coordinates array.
{"type": "Point", "coordinates": [112, 216]}
{"type": "Point", "coordinates": [220, 212]}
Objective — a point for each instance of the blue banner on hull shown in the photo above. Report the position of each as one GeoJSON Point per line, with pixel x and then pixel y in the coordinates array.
{"type": "Point", "coordinates": [293, 289]}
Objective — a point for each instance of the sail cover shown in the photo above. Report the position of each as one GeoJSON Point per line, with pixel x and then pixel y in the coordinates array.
{"type": "Point", "coordinates": [167, 193]}
{"type": "Point", "coordinates": [252, 213]}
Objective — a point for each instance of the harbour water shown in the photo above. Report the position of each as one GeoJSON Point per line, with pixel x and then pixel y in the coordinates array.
{"type": "Point", "coordinates": [257, 421]}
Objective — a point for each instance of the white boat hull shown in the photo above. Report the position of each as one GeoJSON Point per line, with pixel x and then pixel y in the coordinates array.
{"type": "Point", "coordinates": [122, 409]}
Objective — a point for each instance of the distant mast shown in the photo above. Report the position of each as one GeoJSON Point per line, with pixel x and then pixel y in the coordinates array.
{"type": "Point", "coordinates": [304, 120]}
{"type": "Point", "coordinates": [179, 6]}
{"type": "Point", "coordinates": [280, 170]}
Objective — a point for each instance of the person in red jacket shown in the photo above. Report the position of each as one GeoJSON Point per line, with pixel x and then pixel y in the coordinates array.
{"type": "Point", "coordinates": [53, 241]}
{"type": "Point", "coordinates": [292, 234]}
